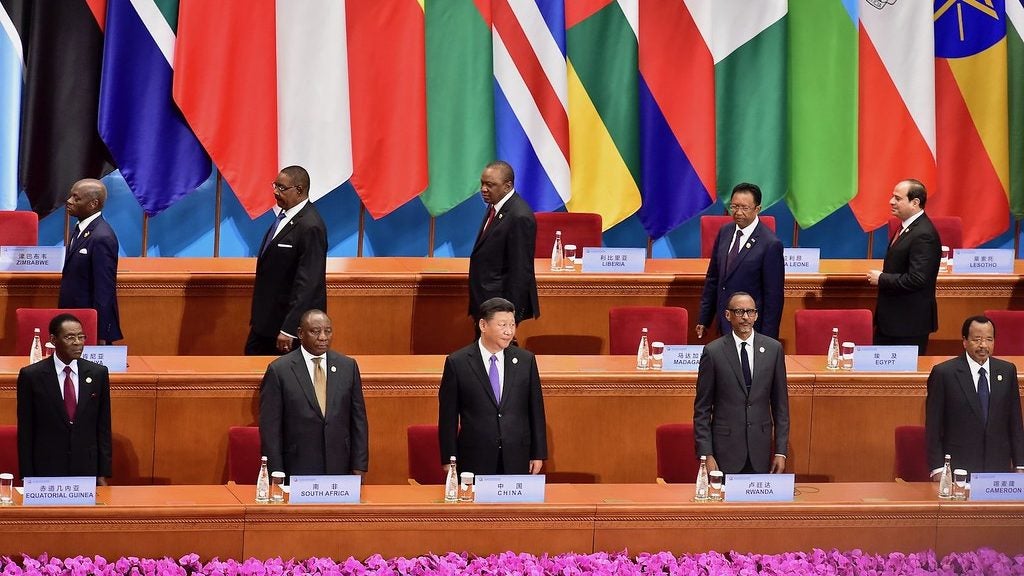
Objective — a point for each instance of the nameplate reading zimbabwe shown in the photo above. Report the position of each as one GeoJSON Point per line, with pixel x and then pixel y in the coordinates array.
{"type": "Point", "coordinates": [324, 489]}
{"type": "Point", "coordinates": [614, 260]}
{"type": "Point", "coordinates": [759, 487]}
{"type": "Point", "coordinates": [31, 258]}
{"type": "Point", "coordinates": [982, 261]}
{"type": "Point", "coordinates": [115, 358]}
{"type": "Point", "coordinates": [509, 488]}
{"type": "Point", "coordinates": [60, 491]}
{"type": "Point", "coordinates": [997, 486]}
{"type": "Point", "coordinates": [802, 260]}
{"type": "Point", "coordinates": [885, 358]}
{"type": "Point", "coordinates": [682, 357]}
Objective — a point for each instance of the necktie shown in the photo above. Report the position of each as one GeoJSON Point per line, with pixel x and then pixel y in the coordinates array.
{"type": "Point", "coordinates": [983, 393]}
{"type": "Point", "coordinates": [745, 365]}
{"type": "Point", "coordinates": [490, 216]}
{"type": "Point", "coordinates": [70, 403]}
{"type": "Point", "coordinates": [320, 385]}
{"type": "Point", "coordinates": [897, 236]}
{"type": "Point", "coordinates": [492, 374]}
{"type": "Point", "coordinates": [735, 250]}
{"type": "Point", "coordinates": [271, 233]}
{"type": "Point", "coordinates": [74, 236]}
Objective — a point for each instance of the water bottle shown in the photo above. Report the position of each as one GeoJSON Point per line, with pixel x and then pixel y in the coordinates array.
{"type": "Point", "coordinates": [557, 253]}
{"type": "Point", "coordinates": [643, 352]}
{"type": "Point", "coordinates": [36, 354]}
{"type": "Point", "coordinates": [451, 483]}
{"type": "Point", "coordinates": [946, 480]}
{"type": "Point", "coordinates": [833, 351]}
{"type": "Point", "coordinates": [702, 480]}
{"type": "Point", "coordinates": [263, 483]}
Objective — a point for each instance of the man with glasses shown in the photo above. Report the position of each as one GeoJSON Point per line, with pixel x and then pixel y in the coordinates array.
{"type": "Point", "coordinates": [291, 268]}
{"type": "Point", "coordinates": [973, 408]}
{"type": "Point", "coordinates": [741, 412]}
{"type": "Point", "coordinates": [747, 257]}
{"type": "Point", "coordinates": [64, 410]}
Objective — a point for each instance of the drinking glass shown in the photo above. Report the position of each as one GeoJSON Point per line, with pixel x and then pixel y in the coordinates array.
{"type": "Point", "coordinates": [715, 478]}
{"type": "Point", "coordinates": [466, 487]}
{"type": "Point", "coordinates": [946, 263]}
{"type": "Point", "coordinates": [847, 355]}
{"type": "Point", "coordinates": [6, 489]}
{"type": "Point", "coordinates": [569, 263]}
{"type": "Point", "coordinates": [277, 487]}
{"type": "Point", "coordinates": [657, 355]}
{"type": "Point", "coordinates": [959, 484]}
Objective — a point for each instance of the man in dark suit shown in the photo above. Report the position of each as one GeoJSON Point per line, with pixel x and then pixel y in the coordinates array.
{"type": "Point", "coordinates": [906, 311]}
{"type": "Point", "coordinates": [973, 409]}
{"type": "Point", "coordinates": [501, 264]}
{"type": "Point", "coordinates": [64, 410]}
{"type": "Point", "coordinates": [491, 409]}
{"type": "Point", "coordinates": [747, 257]}
{"type": "Point", "coordinates": [89, 278]}
{"type": "Point", "coordinates": [312, 414]}
{"type": "Point", "coordinates": [291, 268]}
{"type": "Point", "coordinates": [742, 402]}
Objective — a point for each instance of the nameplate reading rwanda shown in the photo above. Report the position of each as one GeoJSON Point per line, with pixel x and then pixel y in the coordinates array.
{"type": "Point", "coordinates": [509, 489]}
{"type": "Point", "coordinates": [31, 258]}
{"type": "Point", "coordinates": [614, 260]}
{"type": "Point", "coordinates": [60, 491]}
{"type": "Point", "coordinates": [982, 261]}
{"type": "Point", "coordinates": [682, 358]}
{"type": "Point", "coordinates": [759, 487]}
{"type": "Point", "coordinates": [997, 486]}
{"type": "Point", "coordinates": [802, 260]}
{"type": "Point", "coordinates": [885, 358]}
{"type": "Point", "coordinates": [318, 489]}
{"type": "Point", "coordinates": [115, 358]}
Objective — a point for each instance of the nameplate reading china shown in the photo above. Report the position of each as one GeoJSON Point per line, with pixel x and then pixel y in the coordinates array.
{"type": "Point", "coordinates": [802, 260]}
{"type": "Point", "coordinates": [60, 491]}
{"type": "Point", "coordinates": [997, 486]}
{"type": "Point", "coordinates": [759, 487]}
{"type": "Point", "coordinates": [324, 489]}
{"type": "Point", "coordinates": [614, 260]}
{"type": "Point", "coordinates": [115, 358]}
{"type": "Point", "coordinates": [885, 358]}
{"type": "Point", "coordinates": [982, 261]}
{"type": "Point", "coordinates": [682, 358]}
{"type": "Point", "coordinates": [509, 488]}
{"type": "Point", "coordinates": [31, 258]}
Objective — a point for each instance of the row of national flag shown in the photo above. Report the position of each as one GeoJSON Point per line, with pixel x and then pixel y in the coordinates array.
{"type": "Point", "coordinates": [620, 107]}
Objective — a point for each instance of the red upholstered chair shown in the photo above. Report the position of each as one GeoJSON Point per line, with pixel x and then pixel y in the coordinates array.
{"type": "Point", "coordinates": [710, 225]}
{"type": "Point", "coordinates": [664, 324]}
{"type": "Point", "coordinates": [29, 319]}
{"type": "Point", "coordinates": [424, 455]}
{"type": "Point", "coordinates": [9, 450]}
{"type": "Point", "coordinates": [579, 228]}
{"type": "Point", "coordinates": [244, 454]}
{"type": "Point", "coordinates": [677, 453]}
{"type": "Point", "coordinates": [814, 328]}
{"type": "Point", "coordinates": [19, 228]}
{"type": "Point", "coordinates": [1009, 325]}
{"type": "Point", "coordinates": [950, 229]}
{"type": "Point", "coordinates": [911, 458]}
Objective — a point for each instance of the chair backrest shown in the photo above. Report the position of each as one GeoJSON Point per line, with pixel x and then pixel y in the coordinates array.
{"type": "Point", "coordinates": [664, 324]}
{"type": "Point", "coordinates": [677, 453]}
{"type": "Point", "coordinates": [424, 454]}
{"type": "Point", "coordinates": [950, 229]}
{"type": "Point", "coordinates": [814, 328]}
{"type": "Point", "coordinates": [19, 228]}
{"type": "Point", "coordinates": [9, 450]}
{"type": "Point", "coordinates": [710, 225]}
{"type": "Point", "coordinates": [1009, 325]}
{"type": "Point", "coordinates": [579, 228]}
{"type": "Point", "coordinates": [29, 319]}
{"type": "Point", "coordinates": [244, 454]}
{"type": "Point", "coordinates": [911, 456]}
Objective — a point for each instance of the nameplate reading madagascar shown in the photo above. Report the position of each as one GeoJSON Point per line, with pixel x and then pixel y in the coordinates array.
{"type": "Point", "coordinates": [801, 260]}
{"type": "Point", "coordinates": [318, 489]}
{"type": "Point", "coordinates": [982, 261]}
{"type": "Point", "coordinates": [759, 487]}
{"type": "Point", "coordinates": [682, 358]}
{"type": "Point", "coordinates": [614, 260]}
{"type": "Point", "coordinates": [31, 258]}
{"type": "Point", "coordinates": [115, 358]}
{"type": "Point", "coordinates": [997, 486]}
{"type": "Point", "coordinates": [60, 491]}
{"type": "Point", "coordinates": [885, 358]}
{"type": "Point", "coordinates": [509, 489]}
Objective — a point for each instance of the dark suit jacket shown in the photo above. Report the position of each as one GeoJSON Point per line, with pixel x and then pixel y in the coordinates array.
{"type": "Point", "coordinates": [89, 279]}
{"type": "Point", "coordinates": [49, 445]}
{"type": "Point", "coordinates": [295, 437]}
{"type": "Point", "coordinates": [731, 425]}
{"type": "Point", "coordinates": [953, 423]}
{"type": "Point", "coordinates": [906, 288]}
{"type": "Point", "coordinates": [502, 260]}
{"type": "Point", "coordinates": [291, 275]}
{"type": "Point", "coordinates": [760, 271]}
{"type": "Point", "coordinates": [472, 425]}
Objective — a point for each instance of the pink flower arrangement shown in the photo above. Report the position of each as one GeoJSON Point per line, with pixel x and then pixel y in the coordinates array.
{"type": "Point", "coordinates": [814, 563]}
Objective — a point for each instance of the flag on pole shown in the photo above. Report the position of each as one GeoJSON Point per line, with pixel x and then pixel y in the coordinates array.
{"type": "Point", "coordinates": [1015, 79]}
{"type": "Point", "coordinates": [12, 74]}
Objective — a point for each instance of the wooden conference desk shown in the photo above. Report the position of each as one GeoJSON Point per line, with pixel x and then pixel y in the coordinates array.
{"type": "Point", "coordinates": [156, 521]}
{"type": "Point", "coordinates": [200, 306]}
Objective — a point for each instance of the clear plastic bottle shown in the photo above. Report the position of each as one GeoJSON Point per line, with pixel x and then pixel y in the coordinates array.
{"type": "Point", "coordinates": [643, 352]}
{"type": "Point", "coordinates": [946, 479]}
{"type": "Point", "coordinates": [451, 483]}
{"type": "Point", "coordinates": [701, 493]}
{"type": "Point", "coordinates": [263, 483]}
{"type": "Point", "coordinates": [557, 253]}
{"type": "Point", "coordinates": [833, 351]}
{"type": "Point", "coordinates": [36, 353]}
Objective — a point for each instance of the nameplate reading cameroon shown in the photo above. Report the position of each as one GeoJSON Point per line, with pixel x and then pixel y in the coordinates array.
{"type": "Point", "coordinates": [509, 489]}
{"type": "Point", "coordinates": [324, 489]}
{"type": "Point", "coordinates": [1004, 486]}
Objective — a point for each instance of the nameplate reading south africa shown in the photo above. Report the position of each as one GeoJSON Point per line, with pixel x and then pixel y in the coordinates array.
{"type": "Point", "coordinates": [324, 489]}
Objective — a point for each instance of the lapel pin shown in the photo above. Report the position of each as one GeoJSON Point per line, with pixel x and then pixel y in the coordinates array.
{"type": "Point", "coordinates": [999, 377]}
{"type": "Point", "coordinates": [334, 368]}
{"type": "Point", "coordinates": [86, 235]}
{"type": "Point", "coordinates": [88, 379]}
{"type": "Point", "coordinates": [761, 349]}
{"type": "Point", "coordinates": [515, 360]}
{"type": "Point", "coordinates": [752, 240]}
{"type": "Point", "coordinates": [748, 245]}
{"type": "Point", "coordinates": [500, 216]}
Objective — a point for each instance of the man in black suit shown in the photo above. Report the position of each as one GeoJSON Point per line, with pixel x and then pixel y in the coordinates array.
{"type": "Point", "coordinates": [973, 409]}
{"type": "Point", "coordinates": [89, 278]}
{"type": "Point", "coordinates": [742, 402]}
{"type": "Point", "coordinates": [491, 409]}
{"type": "Point", "coordinates": [64, 410]}
{"type": "Point", "coordinates": [501, 264]}
{"type": "Point", "coordinates": [747, 257]}
{"type": "Point", "coordinates": [291, 268]}
{"type": "Point", "coordinates": [312, 414]}
{"type": "Point", "coordinates": [906, 312]}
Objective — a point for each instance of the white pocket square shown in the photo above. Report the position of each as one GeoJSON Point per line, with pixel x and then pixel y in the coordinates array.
{"type": "Point", "coordinates": [284, 246]}
{"type": "Point", "coordinates": [83, 251]}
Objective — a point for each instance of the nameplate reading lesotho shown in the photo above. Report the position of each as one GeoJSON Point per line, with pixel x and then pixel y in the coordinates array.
{"type": "Point", "coordinates": [614, 260]}
{"type": "Point", "coordinates": [115, 358]}
{"type": "Point", "coordinates": [324, 489]}
{"type": "Point", "coordinates": [982, 261]}
{"type": "Point", "coordinates": [997, 486]}
{"type": "Point", "coordinates": [802, 260]}
{"type": "Point", "coordinates": [31, 258]}
{"type": "Point", "coordinates": [60, 491]}
{"type": "Point", "coordinates": [759, 487]}
{"type": "Point", "coordinates": [509, 489]}
{"type": "Point", "coordinates": [885, 359]}
{"type": "Point", "coordinates": [682, 358]}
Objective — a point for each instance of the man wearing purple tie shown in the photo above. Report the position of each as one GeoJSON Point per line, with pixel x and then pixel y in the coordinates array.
{"type": "Point", "coordinates": [491, 409]}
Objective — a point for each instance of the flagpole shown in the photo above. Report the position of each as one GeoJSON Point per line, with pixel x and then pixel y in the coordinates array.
{"type": "Point", "coordinates": [796, 234]}
{"type": "Point", "coordinates": [67, 227]}
{"type": "Point", "coordinates": [871, 243]}
{"type": "Point", "coordinates": [362, 227]}
{"type": "Point", "coordinates": [650, 247]}
{"type": "Point", "coordinates": [1016, 238]}
{"type": "Point", "coordinates": [145, 232]}
{"type": "Point", "coordinates": [216, 215]}
{"type": "Point", "coordinates": [430, 239]}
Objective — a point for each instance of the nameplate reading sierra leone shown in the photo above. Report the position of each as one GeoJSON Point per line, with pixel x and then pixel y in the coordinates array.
{"type": "Point", "coordinates": [682, 358]}
{"type": "Point", "coordinates": [115, 358]}
{"type": "Point", "coordinates": [614, 260]}
{"type": "Point", "coordinates": [982, 261]}
{"type": "Point", "coordinates": [509, 488]}
{"type": "Point", "coordinates": [31, 258]}
{"type": "Point", "coordinates": [759, 487]}
{"type": "Point", "coordinates": [802, 260]}
{"type": "Point", "coordinates": [885, 358]}
{"type": "Point", "coordinates": [997, 486]}
{"type": "Point", "coordinates": [317, 489]}
{"type": "Point", "coordinates": [60, 491]}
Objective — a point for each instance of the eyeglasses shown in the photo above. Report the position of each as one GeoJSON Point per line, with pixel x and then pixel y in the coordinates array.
{"type": "Point", "coordinates": [741, 209]}
{"type": "Point", "coordinates": [741, 312]}
{"type": "Point", "coordinates": [980, 340]}
{"type": "Point", "coordinates": [282, 187]}
{"type": "Point", "coordinates": [72, 338]}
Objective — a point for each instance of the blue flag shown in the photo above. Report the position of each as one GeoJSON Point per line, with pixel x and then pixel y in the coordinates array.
{"type": "Point", "coordinates": [12, 72]}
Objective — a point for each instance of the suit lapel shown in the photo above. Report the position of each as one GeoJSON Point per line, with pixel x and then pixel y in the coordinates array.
{"type": "Point", "coordinates": [86, 387]}
{"type": "Point", "coordinates": [748, 246]}
{"type": "Point", "coordinates": [334, 384]}
{"type": "Point", "coordinates": [51, 389]}
{"type": "Point", "coordinates": [762, 367]}
{"type": "Point", "coordinates": [511, 373]}
{"type": "Point", "coordinates": [733, 358]}
{"type": "Point", "coordinates": [301, 375]}
{"type": "Point", "coordinates": [476, 366]}
{"type": "Point", "coordinates": [966, 382]}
